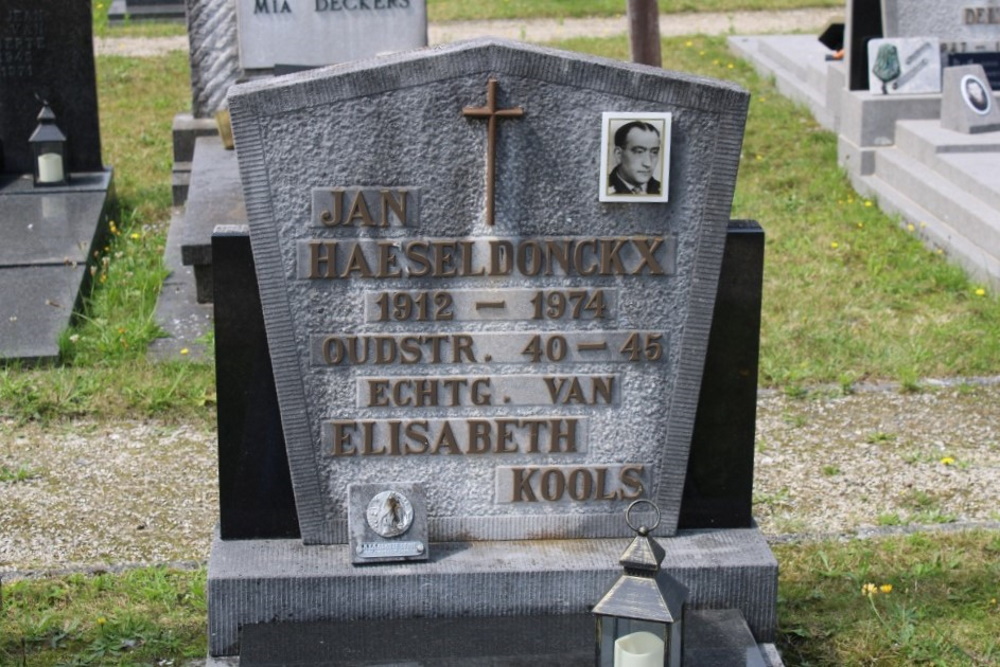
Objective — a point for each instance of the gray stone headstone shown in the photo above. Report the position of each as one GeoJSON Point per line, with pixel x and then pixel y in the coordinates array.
{"type": "Point", "coordinates": [962, 25]}
{"type": "Point", "coordinates": [968, 104]}
{"type": "Point", "coordinates": [535, 374]}
{"type": "Point", "coordinates": [47, 52]}
{"type": "Point", "coordinates": [228, 39]}
{"type": "Point", "coordinates": [322, 32]}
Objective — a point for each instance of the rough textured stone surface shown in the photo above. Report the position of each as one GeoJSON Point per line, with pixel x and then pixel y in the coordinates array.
{"type": "Point", "coordinates": [947, 20]}
{"type": "Point", "coordinates": [214, 51]}
{"type": "Point", "coordinates": [962, 112]}
{"type": "Point", "coordinates": [266, 581]}
{"type": "Point", "coordinates": [322, 130]}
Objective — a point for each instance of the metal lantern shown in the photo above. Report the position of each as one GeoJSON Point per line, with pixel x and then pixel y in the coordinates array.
{"type": "Point", "coordinates": [640, 618]}
{"type": "Point", "coordinates": [48, 145]}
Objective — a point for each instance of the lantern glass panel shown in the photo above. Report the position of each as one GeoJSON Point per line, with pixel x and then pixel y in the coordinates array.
{"type": "Point", "coordinates": [611, 628]}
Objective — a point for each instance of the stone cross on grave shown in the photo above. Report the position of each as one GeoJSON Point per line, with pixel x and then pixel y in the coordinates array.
{"type": "Point", "coordinates": [491, 112]}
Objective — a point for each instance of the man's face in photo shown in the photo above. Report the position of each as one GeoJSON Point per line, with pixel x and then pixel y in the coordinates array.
{"type": "Point", "coordinates": [976, 93]}
{"type": "Point", "coordinates": [639, 156]}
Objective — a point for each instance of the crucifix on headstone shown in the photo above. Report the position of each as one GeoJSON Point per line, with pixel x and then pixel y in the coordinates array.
{"type": "Point", "coordinates": [491, 113]}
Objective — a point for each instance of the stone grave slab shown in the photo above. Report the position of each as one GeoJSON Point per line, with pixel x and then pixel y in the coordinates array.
{"type": "Point", "coordinates": [323, 32]}
{"type": "Point", "coordinates": [968, 104]}
{"type": "Point", "coordinates": [36, 304]}
{"type": "Point", "coordinates": [49, 236]}
{"type": "Point", "coordinates": [711, 639]}
{"type": "Point", "coordinates": [278, 581]}
{"type": "Point", "coordinates": [47, 52]}
{"type": "Point", "coordinates": [148, 10]}
{"type": "Point", "coordinates": [214, 198]}
{"type": "Point", "coordinates": [601, 403]}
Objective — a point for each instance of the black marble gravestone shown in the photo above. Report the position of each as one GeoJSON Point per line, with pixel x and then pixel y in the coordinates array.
{"type": "Point", "coordinates": [47, 53]}
{"type": "Point", "coordinates": [865, 23]}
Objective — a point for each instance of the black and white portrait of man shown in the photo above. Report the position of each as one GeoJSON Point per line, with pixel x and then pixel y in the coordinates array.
{"type": "Point", "coordinates": [635, 157]}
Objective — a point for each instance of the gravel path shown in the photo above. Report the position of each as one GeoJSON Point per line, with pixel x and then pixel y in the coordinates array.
{"type": "Point", "coordinates": [107, 494]}
{"type": "Point", "coordinates": [543, 30]}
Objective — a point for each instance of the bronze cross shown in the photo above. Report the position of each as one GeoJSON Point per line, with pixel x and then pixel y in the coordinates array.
{"type": "Point", "coordinates": [491, 112]}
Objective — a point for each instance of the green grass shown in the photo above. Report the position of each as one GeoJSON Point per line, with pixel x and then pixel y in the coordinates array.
{"type": "Point", "coordinates": [463, 10]}
{"type": "Point", "coordinates": [149, 616]}
{"type": "Point", "coordinates": [849, 294]}
{"type": "Point", "coordinates": [942, 608]}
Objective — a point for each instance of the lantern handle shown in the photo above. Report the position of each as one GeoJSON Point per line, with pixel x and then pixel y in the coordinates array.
{"type": "Point", "coordinates": [642, 530]}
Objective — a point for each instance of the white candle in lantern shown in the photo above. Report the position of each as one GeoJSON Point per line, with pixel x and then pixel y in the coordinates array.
{"type": "Point", "coordinates": [50, 168]}
{"type": "Point", "coordinates": [639, 649]}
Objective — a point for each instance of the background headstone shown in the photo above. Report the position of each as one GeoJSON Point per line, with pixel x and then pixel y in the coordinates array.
{"type": "Point", "coordinates": [969, 25]}
{"type": "Point", "coordinates": [47, 52]}
{"type": "Point", "coordinates": [323, 32]}
{"type": "Point", "coordinates": [968, 105]}
{"type": "Point", "coordinates": [989, 60]}
{"type": "Point", "coordinates": [315, 131]}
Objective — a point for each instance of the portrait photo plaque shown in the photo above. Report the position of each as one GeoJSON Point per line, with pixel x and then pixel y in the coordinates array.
{"type": "Point", "coordinates": [976, 94]}
{"type": "Point", "coordinates": [635, 157]}
{"type": "Point", "coordinates": [387, 522]}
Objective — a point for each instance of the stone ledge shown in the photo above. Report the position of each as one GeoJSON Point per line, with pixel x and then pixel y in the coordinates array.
{"type": "Point", "coordinates": [264, 581]}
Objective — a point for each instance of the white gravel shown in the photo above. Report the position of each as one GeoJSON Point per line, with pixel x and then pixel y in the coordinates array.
{"type": "Point", "coordinates": [108, 494]}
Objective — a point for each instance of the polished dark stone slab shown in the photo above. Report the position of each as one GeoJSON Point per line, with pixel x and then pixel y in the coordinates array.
{"type": "Point", "coordinates": [711, 639]}
{"type": "Point", "coordinates": [990, 60]}
{"type": "Point", "coordinates": [49, 235]}
{"type": "Point", "coordinates": [36, 305]}
{"type": "Point", "coordinates": [52, 225]}
{"type": "Point", "coordinates": [255, 486]}
{"type": "Point", "coordinates": [718, 489]}
{"type": "Point", "coordinates": [865, 24]}
{"type": "Point", "coordinates": [47, 50]}
{"type": "Point", "coordinates": [256, 501]}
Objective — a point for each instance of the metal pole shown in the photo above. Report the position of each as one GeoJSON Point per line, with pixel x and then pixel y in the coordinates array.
{"type": "Point", "coordinates": [644, 32]}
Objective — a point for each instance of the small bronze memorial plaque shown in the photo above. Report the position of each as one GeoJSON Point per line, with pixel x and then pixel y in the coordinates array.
{"type": "Point", "coordinates": [387, 522]}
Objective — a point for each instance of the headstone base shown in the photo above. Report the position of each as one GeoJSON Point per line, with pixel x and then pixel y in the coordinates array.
{"type": "Point", "coordinates": [711, 638]}
{"type": "Point", "coordinates": [265, 581]}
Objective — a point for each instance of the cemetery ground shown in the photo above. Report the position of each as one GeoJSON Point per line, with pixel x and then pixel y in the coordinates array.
{"type": "Point", "coordinates": [108, 459]}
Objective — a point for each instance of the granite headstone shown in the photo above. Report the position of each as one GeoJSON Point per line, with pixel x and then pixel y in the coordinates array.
{"type": "Point", "coordinates": [47, 53]}
{"type": "Point", "coordinates": [864, 23]}
{"type": "Point", "coordinates": [963, 27]}
{"type": "Point", "coordinates": [968, 104]}
{"type": "Point", "coordinates": [322, 32]}
{"type": "Point", "coordinates": [536, 373]}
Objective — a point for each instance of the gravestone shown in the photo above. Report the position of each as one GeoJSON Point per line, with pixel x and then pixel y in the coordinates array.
{"type": "Point", "coordinates": [968, 104]}
{"type": "Point", "coordinates": [988, 60]}
{"type": "Point", "coordinates": [47, 53]}
{"type": "Point", "coordinates": [450, 305]}
{"type": "Point", "coordinates": [47, 234]}
{"type": "Point", "coordinates": [967, 26]}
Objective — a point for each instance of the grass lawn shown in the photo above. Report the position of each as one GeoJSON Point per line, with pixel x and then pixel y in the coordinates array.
{"type": "Point", "coordinates": [896, 601]}
{"type": "Point", "coordinates": [463, 10]}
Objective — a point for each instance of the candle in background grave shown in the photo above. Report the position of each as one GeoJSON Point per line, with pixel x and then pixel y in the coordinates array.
{"type": "Point", "coordinates": [50, 168]}
{"type": "Point", "coordinates": [639, 649]}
